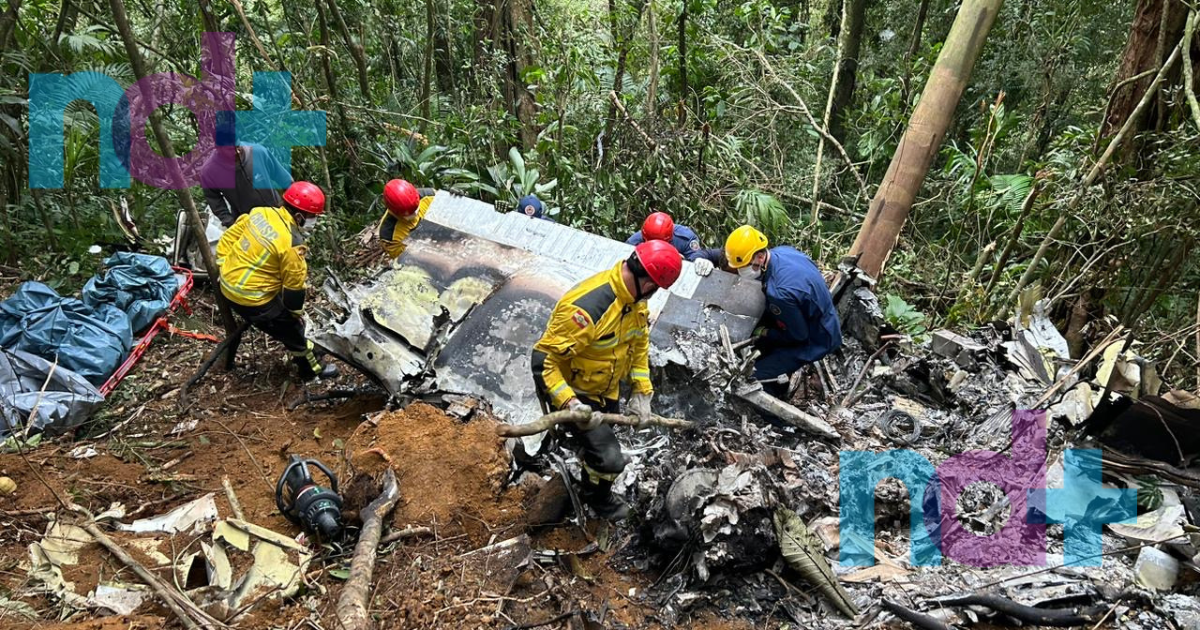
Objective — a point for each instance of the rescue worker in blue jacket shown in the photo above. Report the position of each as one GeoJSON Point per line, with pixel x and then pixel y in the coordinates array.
{"type": "Point", "coordinates": [532, 207]}
{"type": "Point", "coordinates": [659, 226]}
{"type": "Point", "coordinates": [800, 324]}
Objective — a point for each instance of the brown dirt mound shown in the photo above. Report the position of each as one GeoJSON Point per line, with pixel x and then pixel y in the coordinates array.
{"type": "Point", "coordinates": [451, 473]}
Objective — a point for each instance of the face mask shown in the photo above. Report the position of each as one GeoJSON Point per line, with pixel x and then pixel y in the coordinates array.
{"type": "Point", "coordinates": [306, 225]}
{"type": "Point", "coordinates": [749, 272]}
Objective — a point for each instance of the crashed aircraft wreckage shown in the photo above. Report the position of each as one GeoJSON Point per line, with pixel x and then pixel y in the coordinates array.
{"type": "Point", "coordinates": [460, 309]}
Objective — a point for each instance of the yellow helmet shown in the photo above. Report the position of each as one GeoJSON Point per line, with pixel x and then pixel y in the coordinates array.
{"type": "Point", "coordinates": [742, 244]}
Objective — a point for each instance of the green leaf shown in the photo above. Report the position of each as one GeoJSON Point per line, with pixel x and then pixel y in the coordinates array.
{"type": "Point", "coordinates": [341, 574]}
{"type": "Point", "coordinates": [339, 444]}
{"type": "Point", "coordinates": [317, 432]}
{"type": "Point", "coordinates": [518, 162]}
{"type": "Point", "coordinates": [73, 268]}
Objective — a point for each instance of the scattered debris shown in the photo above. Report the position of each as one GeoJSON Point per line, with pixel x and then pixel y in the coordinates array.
{"type": "Point", "coordinates": [1156, 569]}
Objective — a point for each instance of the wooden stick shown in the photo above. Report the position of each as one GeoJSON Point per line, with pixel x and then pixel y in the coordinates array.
{"type": "Point", "coordinates": [546, 422]}
{"type": "Point", "coordinates": [192, 616]}
{"type": "Point", "coordinates": [234, 504]}
{"type": "Point", "coordinates": [352, 609]}
{"type": "Point", "coordinates": [407, 532]}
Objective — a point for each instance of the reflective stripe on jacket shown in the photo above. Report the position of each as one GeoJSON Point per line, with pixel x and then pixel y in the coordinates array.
{"type": "Point", "coordinates": [393, 230]}
{"type": "Point", "coordinates": [262, 255]}
{"type": "Point", "coordinates": [597, 336]}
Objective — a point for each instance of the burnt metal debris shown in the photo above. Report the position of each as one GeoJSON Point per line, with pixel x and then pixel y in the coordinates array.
{"type": "Point", "coordinates": [456, 315]}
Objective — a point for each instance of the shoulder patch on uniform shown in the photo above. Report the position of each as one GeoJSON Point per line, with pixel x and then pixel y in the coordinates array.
{"type": "Point", "coordinates": [596, 301]}
{"type": "Point", "coordinates": [775, 310]}
{"type": "Point", "coordinates": [695, 245]}
{"type": "Point", "coordinates": [580, 319]}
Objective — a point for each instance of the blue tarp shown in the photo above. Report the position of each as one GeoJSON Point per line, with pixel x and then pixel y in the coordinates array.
{"type": "Point", "coordinates": [59, 404]}
{"type": "Point", "coordinates": [140, 285]}
{"type": "Point", "coordinates": [89, 341]}
{"type": "Point", "coordinates": [92, 336]}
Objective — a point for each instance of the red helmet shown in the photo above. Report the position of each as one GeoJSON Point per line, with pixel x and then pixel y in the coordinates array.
{"type": "Point", "coordinates": [661, 261]}
{"type": "Point", "coordinates": [658, 227]}
{"type": "Point", "coordinates": [401, 198]}
{"type": "Point", "coordinates": [305, 197]}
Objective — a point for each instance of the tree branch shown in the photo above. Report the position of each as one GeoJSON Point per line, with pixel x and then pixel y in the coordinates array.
{"type": "Point", "coordinates": [546, 422]}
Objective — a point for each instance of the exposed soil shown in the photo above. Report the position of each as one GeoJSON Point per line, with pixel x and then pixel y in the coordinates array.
{"type": "Point", "coordinates": [451, 473]}
{"type": "Point", "coordinates": [451, 476]}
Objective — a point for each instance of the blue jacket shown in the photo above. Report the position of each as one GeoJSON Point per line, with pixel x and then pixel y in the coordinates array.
{"type": "Point", "coordinates": [801, 319]}
{"type": "Point", "coordinates": [684, 240]}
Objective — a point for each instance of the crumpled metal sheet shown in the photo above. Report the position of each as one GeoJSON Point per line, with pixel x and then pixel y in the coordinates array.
{"type": "Point", "coordinates": [461, 309]}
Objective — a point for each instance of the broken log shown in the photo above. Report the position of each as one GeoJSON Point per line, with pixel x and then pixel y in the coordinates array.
{"type": "Point", "coordinates": [352, 610]}
{"type": "Point", "coordinates": [918, 620]}
{"type": "Point", "coordinates": [1031, 615]}
{"type": "Point", "coordinates": [550, 420]}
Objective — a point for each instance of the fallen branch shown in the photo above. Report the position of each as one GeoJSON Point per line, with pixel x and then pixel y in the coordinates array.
{"type": "Point", "coordinates": [407, 532]}
{"type": "Point", "coordinates": [1057, 617]}
{"type": "Point", "coordinates": [352, 611]}
{"type": "Point", "coordinates": [924, 622]}
{"type": "Point", "coordinates": [552, 620]}
{"type": "Point", "coordinates": [550, 420]}
{"type": "Point", "coordinates": [188, 613]}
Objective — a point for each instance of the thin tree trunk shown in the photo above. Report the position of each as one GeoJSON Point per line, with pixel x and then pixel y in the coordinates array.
{"type": "Point", "coordinates": [327, 68]}
{"type": "Point", "coordinates": [921, 141]}
{"type": "Point", "coordinates": [1026, 208]}
{"type": "Point", "coordinates": [10, 257]}
{"type": "Point", "coordinates": [427, 76]}
{"type": "Point", "coordinates": [67, 14]}
{"type": "Point", "coordinates": [520, 33]}
{"type": "Point", "coordinates": [8, 22]}
{"type": "Point", "coordinates": [623, 45]}
{"type": "Point", "coordinates": [652, 83]}
{"type": "Point", "coordinates": [683, 80]}
{"type": "Point", "coordinates": [168, 151]}
{"type": "Point", "coordinates": [914, 46]}
{"type": "Point", "coordinates": [356, 51]}
{"type": "Point", "coordinates": [298, 94]}
{"type": "Point", "coordinates": [47, 220]}
{"type": "Point", "coordinates": [849, 48]}
{"type": "Point", "coordinates": [443, 56]}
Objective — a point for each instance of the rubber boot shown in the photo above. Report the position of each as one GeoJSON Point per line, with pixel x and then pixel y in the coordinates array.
{"type": "Point", "coordinates": [310, 368]}
{"type": "Point", "coordinates": [600, 497]}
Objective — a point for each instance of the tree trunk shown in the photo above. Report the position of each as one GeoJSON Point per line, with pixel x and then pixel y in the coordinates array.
{"type": "Point", "coordinates": [10, 257]}
{"type": "Point", "coordinates": [443, 56]}
{"type": "Point", "coordinates": [168, 151]}
{"type": "Point", "coordinates": [67, 14]}
{"type": "Point", "coordinates": [623, 45]}
{"type": "Point", "coordinates": [849, 47]}
{"type": "Point", "coordinates": [427, 72]}
{"type": "Point", "coordinates": [683, 80]}
{"type": "Point", "coordinates": [356, 51]}
{"type": "Point", "coordinates": [520, 14]}
{"type": "Point", "coordinates": [1157, 26]}
{"type": "Point", "coordinates": [8, 22]}
{"type": "Point", "coordinates": [327, 69]}
{"type": "Point", "coordinates": [914, 47]}
{"type": "Point", "coordinates": [652, 83]}
{"type": "Point", "coordinates": [926, 129]}
{"type": "Point", "coordinates": [824, 20]}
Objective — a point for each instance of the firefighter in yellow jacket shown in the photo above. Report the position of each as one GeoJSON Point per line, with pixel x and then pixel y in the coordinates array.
{"type": "Point", "coordinates": [406, 206]}
{"type": "Point", "coordinates": [263, 272]}
{"type": "Point", "coordinates": [598, 336]}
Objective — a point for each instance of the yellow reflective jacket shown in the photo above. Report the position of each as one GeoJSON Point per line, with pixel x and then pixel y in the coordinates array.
{"type": "Point", "coordinates": [597, 336]}
{"type": "Point", "coordinates": [262, 255]}
{"type": "Point", "coordinates": [393, 230]}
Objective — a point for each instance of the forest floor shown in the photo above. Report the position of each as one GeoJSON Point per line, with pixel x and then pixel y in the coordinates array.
{"type": "Point", "coordinates": [450, 473]}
